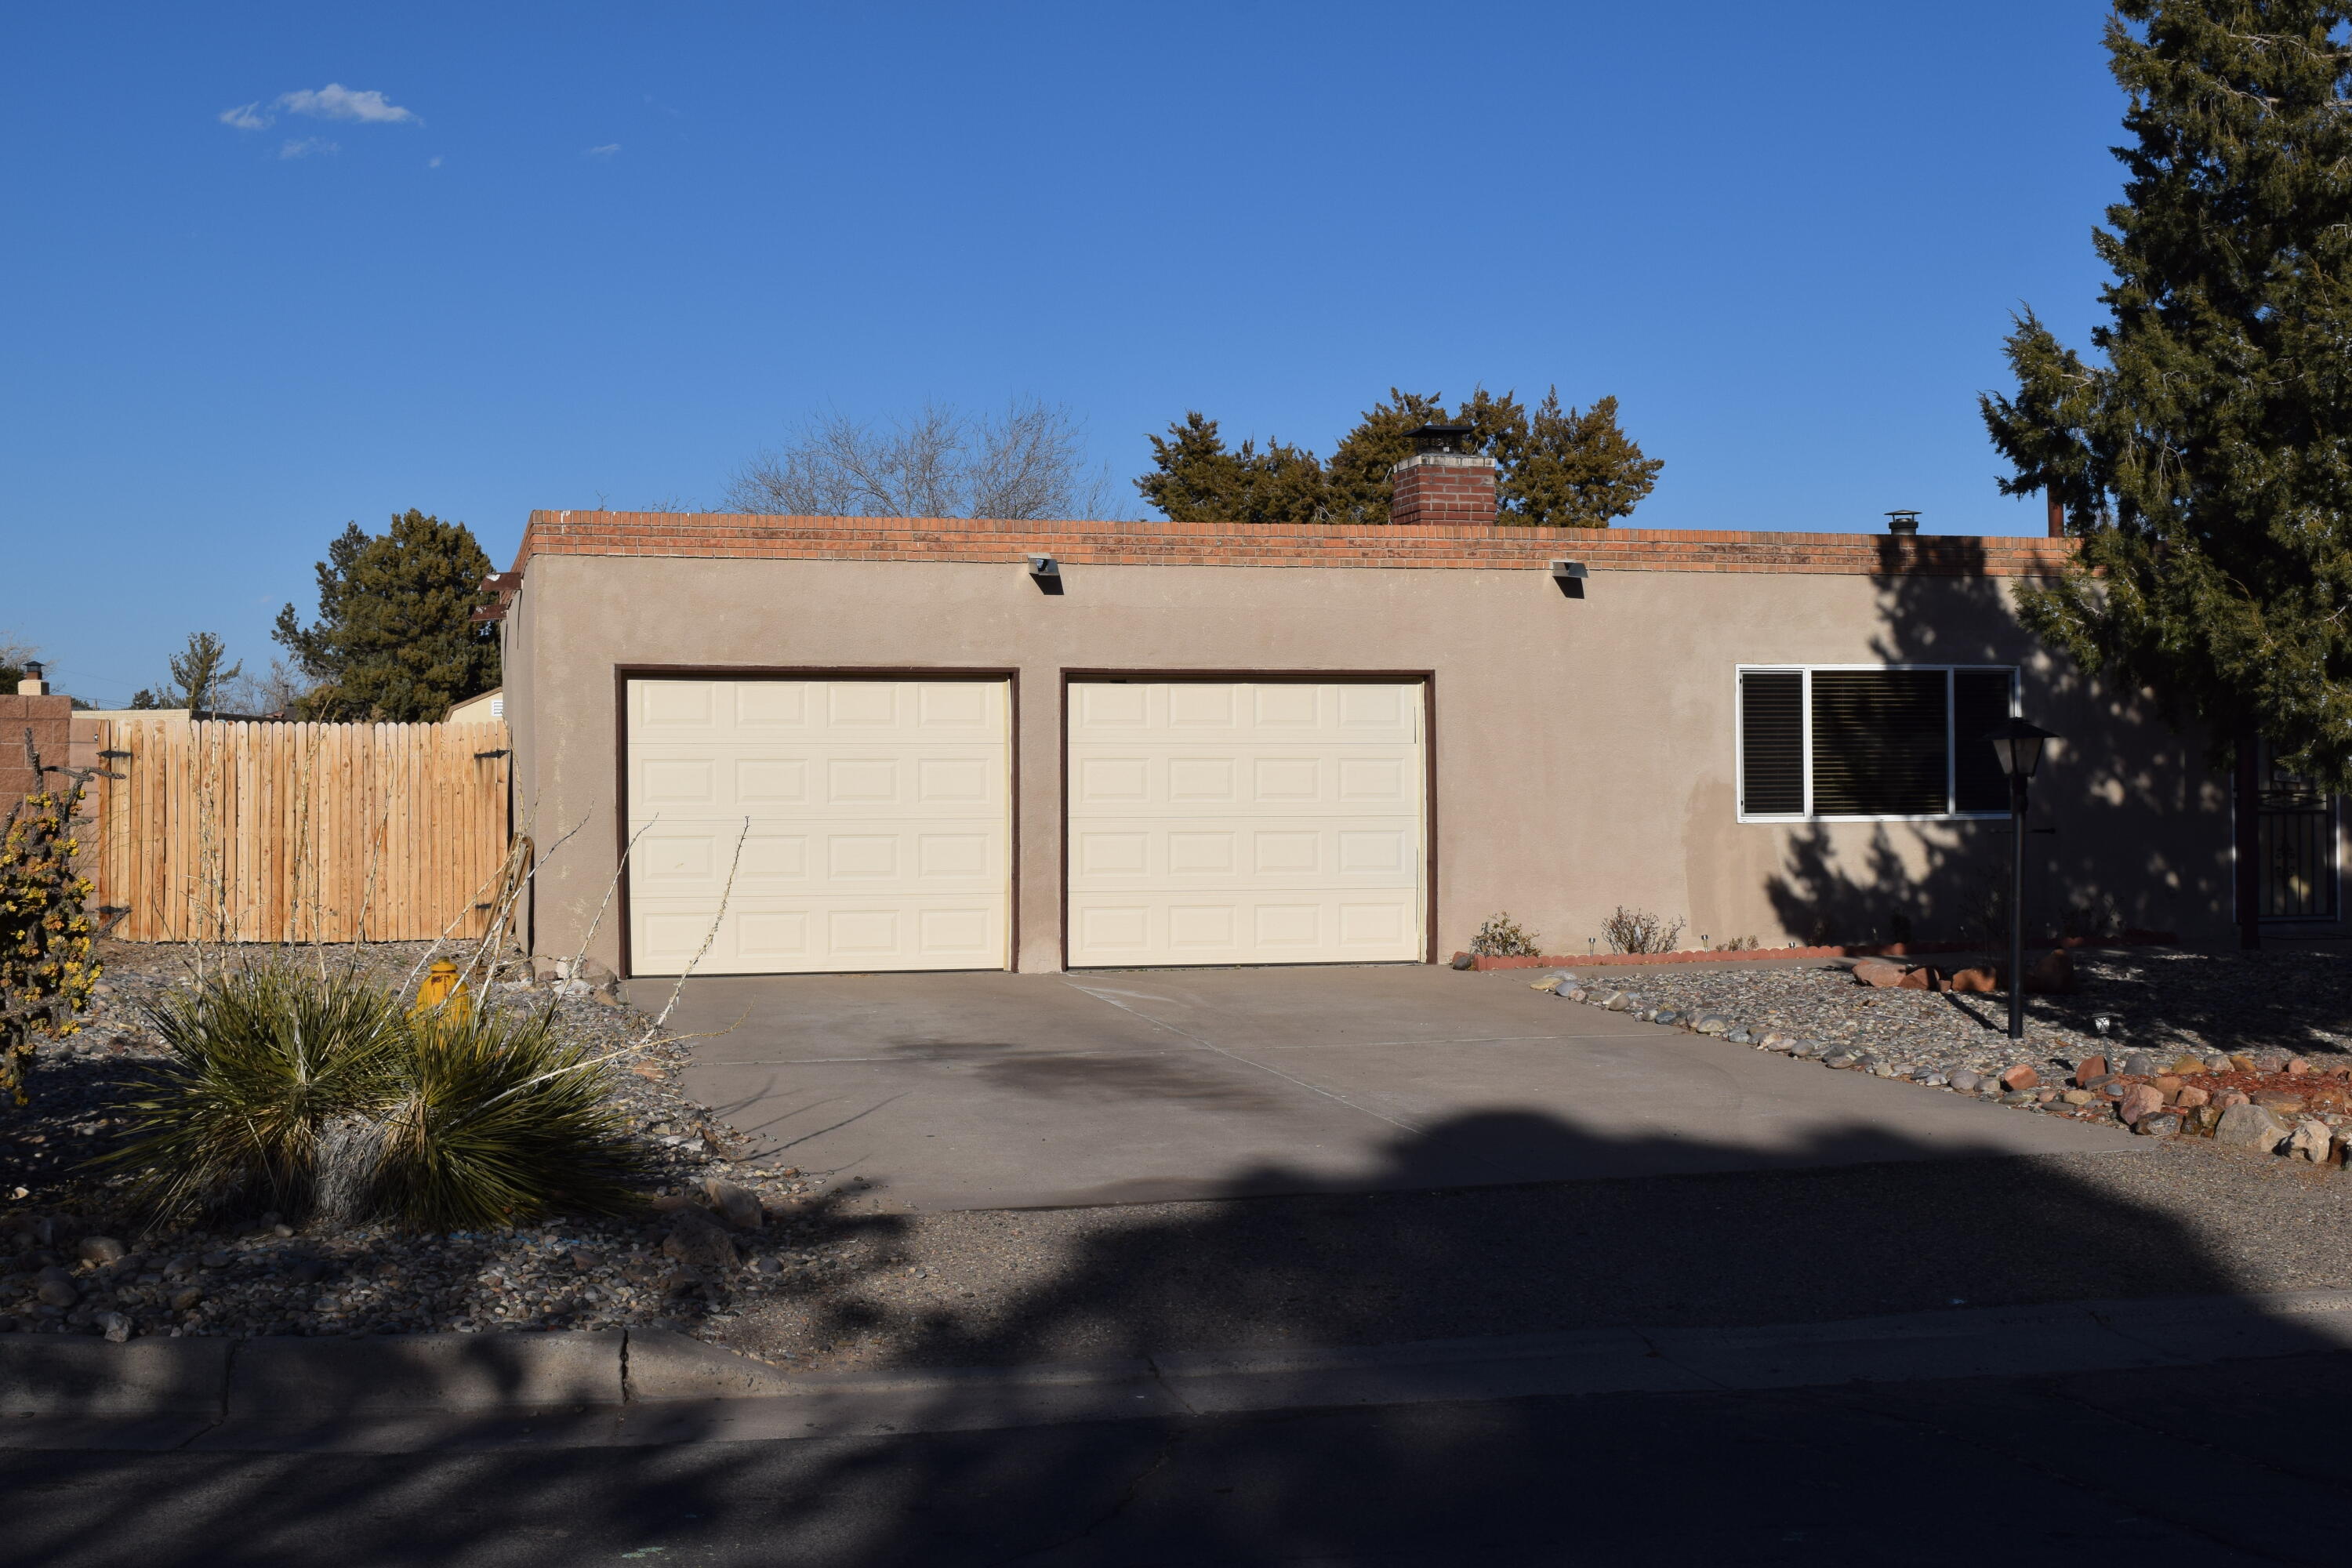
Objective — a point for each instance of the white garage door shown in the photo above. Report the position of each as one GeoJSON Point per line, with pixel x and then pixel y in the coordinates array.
{"type": "Point", "coordinates": [875, 818]}
{"type": "Point", "coordinates": [1238, 822]}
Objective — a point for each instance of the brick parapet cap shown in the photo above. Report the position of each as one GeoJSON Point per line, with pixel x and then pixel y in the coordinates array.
{"type": "Point", "coordinates": [1445, 460]}
{"type": "Point", "coordinates": [1440, 546]}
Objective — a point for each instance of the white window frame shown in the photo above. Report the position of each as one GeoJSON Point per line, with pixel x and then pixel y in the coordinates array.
{"type": "Point", "coordinates": [1805, 712]}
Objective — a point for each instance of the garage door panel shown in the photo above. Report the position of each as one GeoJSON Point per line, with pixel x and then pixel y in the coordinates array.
{"type": "Point", "coordinates": [771, 781]}
{"type": "Point", "coordinates": [674, 708]}
{"type": "Point", "coordinates": [945, 705]}
{"type": "Point", "coordinates": [1372, 851]}
{"type": "Point", "coordinates": [1286, 707]}
{"type": "Point", "coordinates": [1376, 709]}
{"type": "Point", "coordinates": [840, 933]}
{"type": "Point", "coordinates": [1189, 780]}
{"type": "Point", "coordinates": [1111, 929]}
{"type": "Point", "coordinates": [1107, 780]}
{"type": "Point", "coordinates": [763, 936]}
{"type": "Point", "coordinates": [1216, 708]}
{"type": "Point", "coordinates": [1103, 709]}
{"type": "Point", "coordinates": [957, 780]}
{"type": "Point", "coordinates": [1386, 779]}
{"type": "Point", "coordinates": [1200, 851]}
{"type": "Point", "coordinates": [1236, 822]}
{"type": "Point", "coordinates": [879, 825]}
{"type": "Point", "coordinates": [1271, 850]}
{"type": "Point", "coordinates": [678, 781]}
{"type": "Point", "coordinates": [771, 706]}
{"type": "Point", "coordinates": [764, 781]}
{"type": "Point", "coordinates": [1285, 855]}
{"type": "Point", "coordinates": [1198, 928]}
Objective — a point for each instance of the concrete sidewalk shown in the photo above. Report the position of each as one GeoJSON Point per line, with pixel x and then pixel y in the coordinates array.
{"type": "Point", "coordinates": [992, 1091]}
{"type": "Point", "coordinates": [422, 1393]}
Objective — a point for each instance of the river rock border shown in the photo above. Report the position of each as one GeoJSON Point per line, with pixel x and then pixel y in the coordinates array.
{"type": "Point", "coordinates": [2268, 1101]}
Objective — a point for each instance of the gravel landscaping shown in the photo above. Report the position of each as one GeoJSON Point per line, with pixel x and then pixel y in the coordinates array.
{"type": "Point", "coordinates": [2165, 1040]}
{"type": "Point", "coordinates": [74, 1260]}
{"type": "Point", "coordinates": [805, 1273]}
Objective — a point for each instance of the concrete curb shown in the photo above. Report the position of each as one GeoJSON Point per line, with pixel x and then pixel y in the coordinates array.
{"type": "Point", "coordinates": [55, 1375]}
{"type": "Point", "coordinates": [643, 1386]}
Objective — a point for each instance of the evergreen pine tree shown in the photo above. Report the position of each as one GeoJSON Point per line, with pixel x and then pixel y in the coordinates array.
{"type": "Point", "coordinates": [197, 676]}
{"type": "Point", "coordinates": [394, 638]}
{"type": "Point", "coordinates": [1359, 472]}
{"type": "Point", "coordinates": [1574, 469]}
{"type": "Point", "coordinates": [198, 671]}
{"type": "Point", "coordinates": [1570, 469]}
{"type": "Point", "coordinates": [2205, 465]}
{"type": "Point", "coordinates": [1195, 479]}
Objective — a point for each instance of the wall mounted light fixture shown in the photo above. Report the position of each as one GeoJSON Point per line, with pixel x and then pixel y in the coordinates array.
{"type": "Point", "coordinates": [1571, 576]}
{"type": "Point", "coordinates": [1047, 572]}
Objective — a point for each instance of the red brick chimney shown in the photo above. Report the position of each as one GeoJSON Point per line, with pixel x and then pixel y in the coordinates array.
{"type": "Point", "coordinates": [1443, 481]}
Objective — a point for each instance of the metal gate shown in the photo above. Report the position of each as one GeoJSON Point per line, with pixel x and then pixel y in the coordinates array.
{"type": "Point", "coordinates": [2298, 846]}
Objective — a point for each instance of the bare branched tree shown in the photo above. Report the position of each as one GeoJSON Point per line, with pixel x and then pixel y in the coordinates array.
{"type": "Point", "coordinates": [271, 694]}
{"type": "Point", "coordinates": [1027, 462]}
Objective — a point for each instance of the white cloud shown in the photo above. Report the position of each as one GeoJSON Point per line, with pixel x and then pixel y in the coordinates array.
{"type": "Point", "coordinates": [307, 145]}
{"type": "Point", "coordinates": [432, 162]}
{"type": "Point", "coordinates": [606, 151]}
{"type": "Point", "coordinates": [247, 116]}
{"type": "Point", "coordinates": [336, 102]}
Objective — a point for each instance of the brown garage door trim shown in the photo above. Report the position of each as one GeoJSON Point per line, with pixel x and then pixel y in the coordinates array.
{"type": "Point", "coordinates": [1425, 678]}
{"type": "Point", "coordinates": [624, 673]}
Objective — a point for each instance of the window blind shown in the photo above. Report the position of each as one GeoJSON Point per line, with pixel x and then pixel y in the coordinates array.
{"type": "Point", "coordinates": [1980, 704]}
{"type": "Point", "coordinates": [1772, 743]}
{"type": "Point", "coordinates": [1880, 747]}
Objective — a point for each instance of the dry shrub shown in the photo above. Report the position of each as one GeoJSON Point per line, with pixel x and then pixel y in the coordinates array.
{"type": "Point", "coordinates": [1639, 931]}
{"type": "Point", "coordinates": [1500, 937]}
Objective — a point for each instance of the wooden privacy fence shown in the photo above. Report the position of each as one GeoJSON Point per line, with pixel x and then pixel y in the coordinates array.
{"type": "Point", "coordinates": [239, 832]}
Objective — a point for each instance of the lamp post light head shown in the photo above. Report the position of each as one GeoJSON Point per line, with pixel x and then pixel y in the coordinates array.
{"type": "Point", "coordinates": [2019, 744]}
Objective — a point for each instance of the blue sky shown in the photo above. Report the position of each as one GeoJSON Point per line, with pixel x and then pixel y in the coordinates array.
{"type": "Point", "coordinates": [272, 268]}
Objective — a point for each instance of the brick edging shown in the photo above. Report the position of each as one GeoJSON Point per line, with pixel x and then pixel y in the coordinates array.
{"type": "Point", "coordinates": [1874, 950]}
{"type": "Point", "coordinates": [1144, 543]}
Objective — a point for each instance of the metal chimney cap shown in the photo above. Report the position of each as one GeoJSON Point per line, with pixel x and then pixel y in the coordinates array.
{"type": "Point", "coordinates": [1454, 439]}
{"type": "Point", "coordinates": [1903, 520]}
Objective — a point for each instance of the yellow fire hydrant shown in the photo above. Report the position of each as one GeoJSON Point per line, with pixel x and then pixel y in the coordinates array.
{"type": "Point", "coordinates": [442, 989]}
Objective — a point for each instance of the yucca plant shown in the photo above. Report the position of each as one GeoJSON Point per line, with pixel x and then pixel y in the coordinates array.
{"type": "Point", "coordinates": [303, 1092]}
{"type": "Point", "coordinates": [261, 1059]}
{"type": "Point", "coordinates": [499, 1120]}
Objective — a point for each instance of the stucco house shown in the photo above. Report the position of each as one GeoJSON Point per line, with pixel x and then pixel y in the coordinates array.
{"type": "Point", "coordinates": [896, 745]}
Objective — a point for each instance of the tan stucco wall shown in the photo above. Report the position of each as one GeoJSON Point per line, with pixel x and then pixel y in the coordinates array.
{"type": "Point", "coordinates": [1584, 747]}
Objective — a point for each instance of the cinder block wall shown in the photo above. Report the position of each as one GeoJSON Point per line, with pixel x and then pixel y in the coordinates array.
{"type": "Point", "coordinates": [49, 719]}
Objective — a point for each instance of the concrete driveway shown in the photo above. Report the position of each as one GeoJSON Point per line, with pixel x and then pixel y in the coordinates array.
{"type": "Point", "coordinates": [1037, 1090]}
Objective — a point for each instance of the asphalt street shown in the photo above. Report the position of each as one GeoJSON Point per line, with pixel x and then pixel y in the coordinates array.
{"type": "Point", "coordinates": [2227, 1463]}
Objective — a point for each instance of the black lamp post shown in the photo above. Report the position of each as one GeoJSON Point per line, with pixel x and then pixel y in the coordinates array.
{"type": "Point", "coordinates": [2017, 744]}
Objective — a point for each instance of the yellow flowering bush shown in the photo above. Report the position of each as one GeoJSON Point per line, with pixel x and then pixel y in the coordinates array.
{"type": "Point", "coordinates": [46, 970]}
